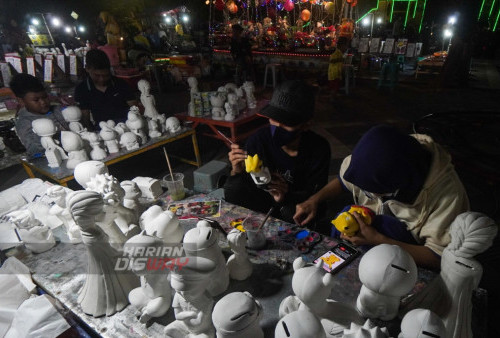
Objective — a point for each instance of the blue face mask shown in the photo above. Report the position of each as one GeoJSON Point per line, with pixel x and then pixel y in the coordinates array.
{"type": "Point", "coordinates": [281, 136]}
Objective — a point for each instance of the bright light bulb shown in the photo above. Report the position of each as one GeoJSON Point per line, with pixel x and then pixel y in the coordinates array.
{"type": "Point", "coordinates": [67, 29]}
{"type": "Point", "coordinates": [185, 18]}
{"type": "Point", "coordinates": [207, 2]}
{"type": "Point", "coordinates": [81, 29]}
{"type": "Point", "coordinates": [379, 20]}
{"type": "Point", "coordinates": [35, 21]}
{"type": "Point", "coordinates": [56, 22]}
{"type": "Point", "coordinates": [168, 19]}
{"type": "Point", "coordinates": [452, 20]}
{"type": "Point", "coordinates": [32, 30]}
{"type": "Point", "coordinates": [366, 21]}
{"type": "Point", "coordinates": [448, 33]}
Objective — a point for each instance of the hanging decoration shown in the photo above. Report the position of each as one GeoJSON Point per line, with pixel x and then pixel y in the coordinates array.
{"type": "Point", "coordinates": [329, 7]}
{"type": "Point", "coordinates": [289, 5]}
{"type": "Point", "coordinates": [354, 3]}
{"type": "Point", "coordinates": [231, 7]}
{"type": "Point", "coordinates": [305, 15]}
{"type": "Point", "coordinates": [219, 5]}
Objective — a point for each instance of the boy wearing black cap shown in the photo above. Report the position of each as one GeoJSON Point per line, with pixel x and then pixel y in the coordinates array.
{"type": "Point", "coordinates": [297, 158]}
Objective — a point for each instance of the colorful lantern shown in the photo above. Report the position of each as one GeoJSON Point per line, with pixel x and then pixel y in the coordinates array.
{"type": "Point", "coordinates": [289, 5]}
{"type": "Point", "coordinates": [305, 15]}
{"type": "Point", "coordinates": [232, 8]}
{"type": "Point", "coordinates": [329, 7]}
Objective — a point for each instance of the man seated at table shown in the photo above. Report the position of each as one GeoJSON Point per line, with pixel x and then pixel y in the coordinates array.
{"type": "Point", "coordinates": [35, 103]}
{"type": "Point", "coordinates": [101, 95]}
{"type": "Point", "coordinates": [297, 158]}
{"type": "Point", "coordinates": [407, 178]}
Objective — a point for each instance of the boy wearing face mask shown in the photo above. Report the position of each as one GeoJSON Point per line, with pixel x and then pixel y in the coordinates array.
{"type": "Point", "coordinates": [297, 158]}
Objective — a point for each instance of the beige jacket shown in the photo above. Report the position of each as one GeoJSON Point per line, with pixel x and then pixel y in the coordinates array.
{"type": "Point", "coordinates": [442, 198]}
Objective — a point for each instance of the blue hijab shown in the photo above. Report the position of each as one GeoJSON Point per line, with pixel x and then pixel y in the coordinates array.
{"type": "Point", "coordinates": [385, 161]}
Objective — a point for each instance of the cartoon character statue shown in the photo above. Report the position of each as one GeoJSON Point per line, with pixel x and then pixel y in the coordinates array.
{"type": "Point", "coordinates": [136, 124]}
{"type": "Point", "coordinates": [347, 224]}
{"type": "Point", "coordinates": [45, 128]}
{"type": "Point", "coordinates": [231, 107]}
{"type": "Point", "coordinates": [259, 173]}
{"type": "Point", "coordinates": [217, 102]}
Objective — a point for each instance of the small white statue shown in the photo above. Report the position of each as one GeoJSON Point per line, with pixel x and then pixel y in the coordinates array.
{"type": "Point", "coordinates": [60, 210]}
{"type": "Point", "coordinates": [131, 198]}
{"type": "Point", "coordinates": [153, 297]}
{"type": "Point", "coordinates": [86, 170]}
{"type": "Point", "coordinates": [136, 124]}
{"type": "Point", "coordinates": [367, 330]}
{"type": "Point", "coordinates": [118, 222]}
{"type": "Point", "coordinates": [217, 102]}
{"type": "Point", "coordinates": [73, 115]}
{"type": "Point", "coordinates": [193, 86]}
{"type": "Point", "coordinates": [154, 128]}
{"type": "Point", "coordinates": [312, 286]}
{"type": "Point", "coordinates": [387, 272]}
{"type": "Point", "coordinates": [231, 107]}
{"type": "Point", "coordinates": [230, 87]}
{"type": "Point", "coordinates": [73, 144]}
{"type": "Point", "coordinates": [173, 125]}
{"type": "Point", "coordinates": [147, 100]}
{"type": "Point", "coordinates": [97, 153]}
{"type": "Point", "coordinates": [238, 264]}
{"type": "Point", "coordinates": [222, 92]}
{"type": "Point", "coordinates": [449, 295]}
{"type": "Point", "coordinates": [121, 128]}
{"type": "Point", "coordinates": [422, 323]}
{"type": "Point", "coordinates": [249, 89]}
{"type": "Point", "coordinates": [163, 223]}
{"type": "Point", "coordinates": [243, 321]}
{"type": "Point", "coordinates": [299, 324]}
{"type": "Point", "coordinates": [150, 187]}
{"type": "Point", "coordinates": [45, 128]}
{"type": "Point", "coordinates": [192, 303]}
{"type": "Point", "coordinates": [36, 237]}
{"type": "Point", "coordinates": [162, 120]}
{"type": "Point", "coordinates": [242, 103]}
{"type": "Point", "coordinates": [105, 291]}
{"type": "Point", "coordinates": [108, 134]}
{"type": "Point", "coordinates": [129, 140]}
{"type": "Point", "coordinates": [202, 241]}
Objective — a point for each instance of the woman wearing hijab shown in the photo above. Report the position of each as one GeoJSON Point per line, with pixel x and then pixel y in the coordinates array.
{"type": "Point", "coordinates": [408, 179]}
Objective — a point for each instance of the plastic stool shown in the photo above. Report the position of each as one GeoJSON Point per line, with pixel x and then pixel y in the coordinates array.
{"type": "Point", "coordinates": [273, 67]}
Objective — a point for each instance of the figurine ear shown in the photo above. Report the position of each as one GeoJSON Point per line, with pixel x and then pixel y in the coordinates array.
{"type": "Point", "coordinates": [143, 233]}
{"type": "Point", "coordinates": [155, 233]}
{"type": "Point", "coordinates": [328, 279]}
{"type": "Point", "coordinates": [319, 263]}
{"type": "Point", "coordinates": [298, 263]}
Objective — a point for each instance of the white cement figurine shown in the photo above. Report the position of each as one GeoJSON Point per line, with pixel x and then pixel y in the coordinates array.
{"type": "Point", "coordinates": [367, 330]}
{"type": "Point", "coordinates": [163, 223]}
{"type": "Point", "coordinates": [154, 130]}
{"type": "Point", "coordinates": [73, 115]}
{"type": "Point", "coordinates": [162, 122]}
{"type": "Point", "coordinates": [387, 272]}
{"type": "Point", "coordinates": [422, 323]}
{"type": "Point", "coordinates": [192, 303]}
{"type": "Point", "coordinates": [147, 100]}
{"type": "Point", "coordinates": [136, 124]}
{"type": "Point", "coordinates": [131, 198]}
{"type": "Point", "coordinates": [230, 87]}
{"type": "Point", "coordinates": [104, 291]}
{"type": "Point", "coordinates": [217, 102]}
{"type": "Point", "coordinates": [61, 211]}
{"type": "Point", "coordinates": [150, 187]}
{"type": "Point", "coordinates": [108, 134]}
{"type": "Point", "coordinates": [249, 89]}
{"type": "Point", "coordinates": [36, 237]}
{"type": "Point", "coordinates": [238, 264]}
{"type": "Point", "coordinates": [118, 222]}
{"type": "Point", "coordinates": [97, 153]}
{"type": "Point", "coordinates": [86, 170]}
{"type": "Point", "coordinates": [312, 286]}
{"type": "Point", "coordinates": [45, 128]}
{"type": "Point", "coordinates": [231, 107]}
{"type": "Point", "coordinates": [73, 144]}
{"type": "Point", "coordinates": [222, 92]}
{"type": "Point", "coordinates": [193, 86]}
{"type": "Point", "coordinates": [242, 103]}
{"type": "Point", "coordinates": [449, 295]}
{"type": "Point", "coordinates": [299, 324]}
{"type": "Point", "coordinates": [237, 315]}
{"type": "Point", "coordinates": [153, 297]}
{"type": "Point", "coordinates": [173, 125]}
{"type": "Point", "coordinates": [129, 141]}
{"type": "Point", "coordinates": [202, 241]}
{"type": "Point", "coordinates": [121, 128]}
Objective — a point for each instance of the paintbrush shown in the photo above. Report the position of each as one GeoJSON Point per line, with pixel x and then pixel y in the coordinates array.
{"type": "Point", "coordinates": [225, 137]}
{"type": "Point", "coordinates": [265, 218]}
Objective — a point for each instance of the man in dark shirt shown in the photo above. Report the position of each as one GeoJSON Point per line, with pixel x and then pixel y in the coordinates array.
{"type": "Point", "coordinates": [101, 94]}
{"type": "Point", "coordinates": [241, 51]}
{"type": "Point", "coordinates": [297, 158]}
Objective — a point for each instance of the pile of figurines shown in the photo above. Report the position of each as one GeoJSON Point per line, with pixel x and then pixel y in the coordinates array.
{"type": "Point", "coordinates": [224, 104]}
{"type": "Point", "coordinates": [78, 144]}
{"type": "Point", "coordinates": [113, 227]}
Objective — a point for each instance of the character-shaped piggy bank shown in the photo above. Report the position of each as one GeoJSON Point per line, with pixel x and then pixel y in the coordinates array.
{"type": "Point", "coordinates": [259, 173]}
{"type": "Point", "coordinates": [347, 224]}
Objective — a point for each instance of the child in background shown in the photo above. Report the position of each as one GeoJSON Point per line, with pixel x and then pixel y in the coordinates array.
{"type": "Point", "coordinates": [31, 94]}
{"type": "Point", "coordinates": [335, 66]}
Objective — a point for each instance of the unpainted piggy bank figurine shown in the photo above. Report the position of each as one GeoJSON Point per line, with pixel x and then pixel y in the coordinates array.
{"type": "Point", "coordinates": [299, 324]}
{"type": "Point", "coordinates": [249, 89]}
{"type": "Point", "coordinates": [217, 102]}
{"type": "Point", "coordinates": [164, 223]}
{"type": "Point", "coordinates": [73, 115]}
{"type": "Point", "coordinates": [45, 128]}
{"type": "Point", "coordinates": [173, 125]}
{"type": "Point", "coordinates": [238, 264]}
{"type": "Point", "coordinates": [136, 124]}
{"type": "Point", "coordinates": [129, 140]}
{"type": "Point", "coordinates": [73, 144]}
{"type": "Point", "coordinates": [153, 297]}
{"type": "Point", "coordinates": [108, 134]}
